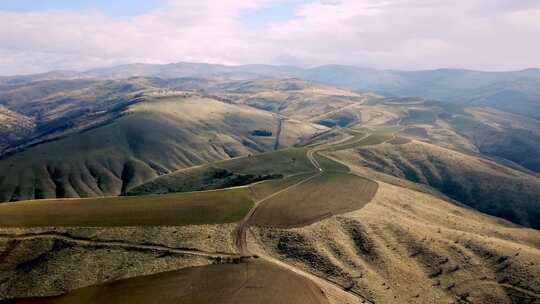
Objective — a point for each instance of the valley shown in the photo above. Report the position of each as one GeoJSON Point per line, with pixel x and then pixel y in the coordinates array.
{"type": "Point", "coordinates": [218, 190]}
{"type": "Point", "coordinates": [261, 241]}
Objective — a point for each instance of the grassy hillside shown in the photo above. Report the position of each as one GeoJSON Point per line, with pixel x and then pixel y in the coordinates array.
{"type": "Point", "coordinates": [297, 99]}
{"type": "Point", "coordinates": [516, 91]}
{"type": "Point", "coordinates": [152, 138]}
{"type": "Point", "coordinates": [58, 108]}
{"type": "Point", "coordinates": [234, 172]}
{"type": "Point", "coordinates": [14, 127]}
{"type": "Point", "coordinates": [481, 184]}
{"type": "Point", "coordinates": [409, 247]}
{"type": "Point", "coordinates": [510, 138]}
{"type": "Point", "coordinates": [502, 135]}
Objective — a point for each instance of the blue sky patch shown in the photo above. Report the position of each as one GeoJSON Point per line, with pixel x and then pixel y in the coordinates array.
{"type": "Point", "coordinates": [273, 13]}
{"type": "Point", "coordinates": [117, 8]}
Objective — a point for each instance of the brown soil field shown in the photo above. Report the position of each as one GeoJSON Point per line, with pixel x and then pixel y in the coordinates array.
{"type": "Point", "coordinates": [323, 196]}
{"type": "Point", "coordinates": [253, 282]}
{"type": "Point", "coordinates": [155, 210]}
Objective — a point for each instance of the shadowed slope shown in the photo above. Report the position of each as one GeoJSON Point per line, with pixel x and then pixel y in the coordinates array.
{"type": "Point", "coordinates": [155, 137]}
{"type": "Point", "coordinates": [479, 183]}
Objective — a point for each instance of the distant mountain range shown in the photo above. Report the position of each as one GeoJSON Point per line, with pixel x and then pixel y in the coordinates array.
{"type": "Point", "coordinates": [516, 92]}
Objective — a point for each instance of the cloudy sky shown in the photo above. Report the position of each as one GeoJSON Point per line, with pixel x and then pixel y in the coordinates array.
{"type": "Point", "coordinates": [42, 35]}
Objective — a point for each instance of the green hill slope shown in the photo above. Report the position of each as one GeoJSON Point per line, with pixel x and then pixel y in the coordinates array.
{"type": "Point", "coordinates": [151, 138]}
{"type": "Point", "coordinates": [227, 173]}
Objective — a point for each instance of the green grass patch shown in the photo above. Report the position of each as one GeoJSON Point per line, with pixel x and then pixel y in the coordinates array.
{"type": "Point", "coordinates": [240, 171]}
{"type": "Point", "coordinates": [213, 207]}
{"type": "Point", "coordinates": [329, 165]}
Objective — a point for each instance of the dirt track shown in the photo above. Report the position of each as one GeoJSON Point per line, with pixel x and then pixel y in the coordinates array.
{"type": "Point", "coordinates": [117, 244]}
{"type": "Point", "coordinates": [240, 237]}
{"type": "Point", "coordinates": [278, 133]}
{"type": "Point", "coordinates": [241, 228]}
{"type": "Point", "coordinates": [326, 195]}
{"type": "Point", "coordinates": [313, 119]}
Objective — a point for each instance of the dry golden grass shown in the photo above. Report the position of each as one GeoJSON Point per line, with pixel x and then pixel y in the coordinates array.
{"type": "Point", "coordinates": [304, 100]}
{"type": "Point", "coordinates": [482, 184]}
{"type": "Point", "coordinates": [409, 247]}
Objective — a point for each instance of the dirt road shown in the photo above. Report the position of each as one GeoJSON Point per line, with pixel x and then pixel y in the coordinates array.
{"type": "Point", "coordinates": [240, 238]}
{"type": "Point", "coordinates": [115, 244]}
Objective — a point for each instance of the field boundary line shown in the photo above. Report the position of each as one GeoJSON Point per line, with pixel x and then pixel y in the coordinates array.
{"type": "Point", "coordinates": [115, 243]}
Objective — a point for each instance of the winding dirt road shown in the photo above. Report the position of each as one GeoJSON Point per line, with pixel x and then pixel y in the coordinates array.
{"type": "Point", "coordinates": [326, 285]}
{"type": "Point", "coordinates": [355, 104]}
{"type": "Point", "coordinates": [240, 231]}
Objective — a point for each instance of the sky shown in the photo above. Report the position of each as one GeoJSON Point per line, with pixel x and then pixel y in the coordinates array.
{"type": "Point", "coordinates": [494, 35]}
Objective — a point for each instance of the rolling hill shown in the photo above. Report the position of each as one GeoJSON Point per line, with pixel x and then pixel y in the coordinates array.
{"type": "Point", "coordinates": [515, 91]}
{"type": "Point", "coordinates": [149, 138]}
{"type": "Point", "coordinates": [54, 108]}
{"type": "Point", "coordinates": [390, 244]}
{"type": "Point", "coordinates": [199, 183]}
{"type": "Point", "coordinates": [294, 98]}
{"type": "Point", "coordinates": [409, 247]}
{"type": "Point", "coordinates": [481, 184]}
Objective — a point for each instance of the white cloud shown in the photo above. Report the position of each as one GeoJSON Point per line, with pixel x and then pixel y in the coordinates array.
{"type": "Point", "coordinates": [410, 34]}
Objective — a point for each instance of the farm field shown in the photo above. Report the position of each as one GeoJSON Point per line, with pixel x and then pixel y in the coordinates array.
{"type": "Point", "coordinates": [330, 165]}
{"type": "Point", "coordinates": [249, 282]}
{"type": "Point", "coordinates": [267, 188]}
{"type": "Point", "coordinates": [154, 210]}
{"type": "Point", "coordinates": [323, 196]}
